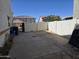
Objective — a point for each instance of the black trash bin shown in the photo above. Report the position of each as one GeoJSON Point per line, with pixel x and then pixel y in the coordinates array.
{"type": "Point", "coordinates": [14, 31]}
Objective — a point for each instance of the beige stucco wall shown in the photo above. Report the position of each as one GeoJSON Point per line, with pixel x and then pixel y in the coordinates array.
{"type": "Point", "coordinates": [5, 10]}
{"type": "Point", "coordinates": [41, 26]}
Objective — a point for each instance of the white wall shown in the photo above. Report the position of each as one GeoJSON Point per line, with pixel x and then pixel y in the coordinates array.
{"type": "Point", "coordinates": [65, 27]}
{"type": "Point", "coordinates": [52, 26]}
{"type": "Point", "coordinates": [62, 27]}
{"type": "Point", "coordinates": [35, 26]}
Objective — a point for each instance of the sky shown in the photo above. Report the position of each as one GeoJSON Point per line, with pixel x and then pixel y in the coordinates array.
{"type": "Point", "coordinates": [37, 8]}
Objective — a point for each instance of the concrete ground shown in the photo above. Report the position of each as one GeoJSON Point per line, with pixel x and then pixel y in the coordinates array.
{"type": "Point", "coordinates": [42, 45]}
{"type": "Point", "coordinates": [67, 36]}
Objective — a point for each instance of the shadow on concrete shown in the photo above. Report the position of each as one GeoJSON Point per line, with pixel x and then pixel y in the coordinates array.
{"type": "Point", "coordinates": [66, 36]}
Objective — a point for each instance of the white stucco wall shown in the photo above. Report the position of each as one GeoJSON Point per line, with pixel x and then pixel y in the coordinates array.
{"type": "Point", "coordinates": [62, 27]}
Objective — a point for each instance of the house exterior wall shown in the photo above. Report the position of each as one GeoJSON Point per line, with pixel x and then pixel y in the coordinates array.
{"type": "Point", "coordinates": [5, 12]}
{"type": "Point", "coordinates": [24, 19]}
{"type": "Point", "coordinates": [76, 13]}
{"type": "Point", "coordinates": [40, 19]}
{"type": "Point", "coordinates": [76, 9]}
{"type": "Point", "coordinates": [43, 19]}
{"type": "Point", "coordinates": [29, 20]}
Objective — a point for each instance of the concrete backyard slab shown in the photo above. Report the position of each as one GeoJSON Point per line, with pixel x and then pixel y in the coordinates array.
{"type": "Point", "coordinates": [41, 45]}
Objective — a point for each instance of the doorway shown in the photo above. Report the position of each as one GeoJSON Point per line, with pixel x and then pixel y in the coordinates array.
{"type": "Point", "coordinates": [23, 27]}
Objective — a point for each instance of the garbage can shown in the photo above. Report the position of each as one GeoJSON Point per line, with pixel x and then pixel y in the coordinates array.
{"type": "Point", "coordinates": [14, 31]}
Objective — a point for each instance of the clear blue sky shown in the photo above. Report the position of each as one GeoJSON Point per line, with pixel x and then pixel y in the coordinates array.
{"type": "Point", "coordinates": [38, 8]}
